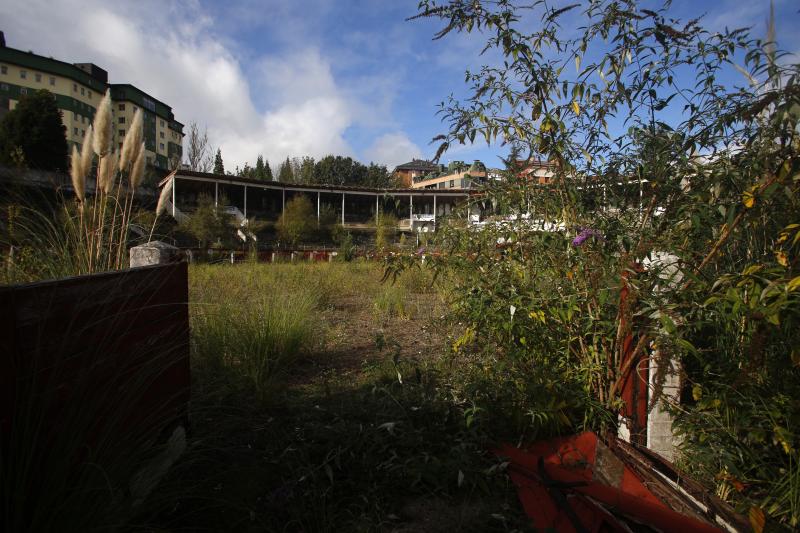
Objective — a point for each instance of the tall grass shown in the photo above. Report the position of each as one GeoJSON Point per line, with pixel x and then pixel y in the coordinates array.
{"type": "Point", "coordinates": [250, 321]}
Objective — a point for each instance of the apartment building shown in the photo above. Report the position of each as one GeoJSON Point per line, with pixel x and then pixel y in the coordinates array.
{"type": "Point", "coordinates": [78, 89]}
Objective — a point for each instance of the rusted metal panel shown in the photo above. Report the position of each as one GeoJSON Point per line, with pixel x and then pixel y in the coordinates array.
{"type": "Point", "coordinates": [111, 347]}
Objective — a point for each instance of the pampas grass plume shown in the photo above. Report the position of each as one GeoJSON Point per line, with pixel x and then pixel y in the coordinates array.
{"type": "Point", "coordinates": [164, 196]}
{"type": "Point", "coordinates": [76, 173]}
{"type": "Point", "coordinates": [86, 152]}
{"type": "Point", "coordinates": [102, 126]}
{"type": "Point", "coordinates": [108, 167]}
{"type": "Point", "coordinates": [137, 172]}
{"type": "Point", "coordinates": [133, 139]}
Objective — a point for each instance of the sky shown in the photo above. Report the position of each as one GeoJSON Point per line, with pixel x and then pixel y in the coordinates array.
{"type": "Point", "coordinates": [299, 77]}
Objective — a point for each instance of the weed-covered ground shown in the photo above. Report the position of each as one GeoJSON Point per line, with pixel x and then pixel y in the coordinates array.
{"type": "Point", "coordinates": [321, 403]}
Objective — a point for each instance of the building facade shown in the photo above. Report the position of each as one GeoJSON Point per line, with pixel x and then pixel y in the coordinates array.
{"type": "Point", "coordinates": [78, 89]}
{"type": "Point", "coordinates": [408, 172]}
{"type": "Point", "coordinates": [457, 175]}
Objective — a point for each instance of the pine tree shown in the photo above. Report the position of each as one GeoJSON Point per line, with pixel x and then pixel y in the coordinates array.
{"type": "Point", "coordinates": [218, 166]}
{"type": "Point", "coordinates": [268, 171]}
{"type": "Point", "coordinates": [285, 174]}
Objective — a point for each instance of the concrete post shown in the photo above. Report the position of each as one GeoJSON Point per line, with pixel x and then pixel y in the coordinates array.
{"type": "Point", "coordinates": [153, 253]}
{"type": "Point", "coordinates": [245, 201]}
{"type": "Point", "coordinates": [174, 184]}
{"type": "Point", "coordinates": [342, 209]}
{"type": "Point", "coordinates": [318, 208]}
{"type": "Point", "coordinates": [216, 193]}
{"type": "Point", "coordinates": [434, 211]}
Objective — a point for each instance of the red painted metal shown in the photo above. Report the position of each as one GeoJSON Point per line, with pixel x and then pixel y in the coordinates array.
{"type": "Point", "coordinates": [577, 484]}
{"type": "Point", "coordinates": [635, 380]}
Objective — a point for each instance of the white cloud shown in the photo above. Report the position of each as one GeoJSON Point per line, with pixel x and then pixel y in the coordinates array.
{"type": "Point", "coordinates": [393, 149]}
{"type": "Point", "coordinates": [289, 105]}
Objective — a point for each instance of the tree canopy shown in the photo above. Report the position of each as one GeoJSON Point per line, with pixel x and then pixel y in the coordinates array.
{"type": "Point", "coordinates": [33, 134]}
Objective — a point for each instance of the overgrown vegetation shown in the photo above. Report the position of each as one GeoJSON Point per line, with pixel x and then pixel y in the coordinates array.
{"type": "Point", "coordinates": [674, 185]}
{"type": "Point", "coordinates": [346, 423]}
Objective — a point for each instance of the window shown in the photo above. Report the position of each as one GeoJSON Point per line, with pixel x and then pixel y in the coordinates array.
{"type": "Point", "coordinates": [452, 184]}
{"type": "Point", "coordinates": [74, 87]}
{"type": "Point", "coordinates": [23, 74]}
{"type": "Point", "coordinates": [121, 107]}
{"type": "Point", "coordinates": [161, 145]}
{"type": "Point", "coordinates": [161, 134]}
{"type": "Point", "coordinates": [83, 92]}
{"type": "Point", "coordinates": [162, 123]}
{"type": "Point", "coordinates": [38, 77]}
{"type": "Point", "coordinates": [3, 69]}
{"type": "Point", "coordinates": [23, 90]}
{"type": "Point", "coordinates": [120, 146]}
{"type": "Point", "coordinates": [121, 120]}
{"type": "Point", "coordinates": [121, 133]}
{"type": "Point", "coordinates": [4, 86]}
{"type": "Point", "coordinates": [83, 133]}
{"type": "Point", "coordinates": [52, 80]}
{"type": "Point", "coordinates": [76, 130]}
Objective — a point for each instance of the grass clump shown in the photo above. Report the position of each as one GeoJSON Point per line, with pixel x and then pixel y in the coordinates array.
{"type": "Point", "coordinates": [248, 323]}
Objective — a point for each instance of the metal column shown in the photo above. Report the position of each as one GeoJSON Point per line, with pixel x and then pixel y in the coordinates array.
{"type": "Point", "coordinates": [342, 209]}
{"type": "Point", "coordinates": [216, 193]}
{"type": "Point", "coordinates": [318, 208]}
{"type": "Point", "coordinates": [174, 183]}
{"type": "Point", "coordinates": [283, 200]}
{"type": "Point", "coordinates": [245, 201]}
{"type": "Point", "coordinates": [434, 211]}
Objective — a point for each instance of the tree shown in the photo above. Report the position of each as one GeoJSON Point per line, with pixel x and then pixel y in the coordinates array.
{"type": "Point", "coordinates": [209, 223]}
{"type": "Point", "coordinates": [262, 171]}
{"type": "Point", "coordinates": [306, 171]}
{"type": "Point", "coordinates": [33, 135]}
{"type": "Point", "coordinates": [219, 168]}
{"type": "Point", "coordinates": [198, 151]}
{"type": "Point", "coordinates": [285, 174]}
{"type": "Point", "coordinates": [298, 221]}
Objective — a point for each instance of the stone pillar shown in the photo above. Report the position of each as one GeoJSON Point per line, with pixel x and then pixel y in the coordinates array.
{"type": "Point", "coordinates": [663, 377]}
{"type": "Point", "coordinates": [153, 253]}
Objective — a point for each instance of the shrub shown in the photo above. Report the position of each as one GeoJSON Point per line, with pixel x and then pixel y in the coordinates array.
{"type": "Point", "coordinates": [298, 221]}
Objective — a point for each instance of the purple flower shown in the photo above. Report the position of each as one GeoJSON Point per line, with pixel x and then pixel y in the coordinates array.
{"type": "Point", "coordinates": [584, 234]}
{"type": "Point", "coordinates": [421, 251]}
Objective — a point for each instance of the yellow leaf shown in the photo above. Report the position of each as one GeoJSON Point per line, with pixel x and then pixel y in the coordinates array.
{"type": "Point", "coordinates": [781, 257]}
{"type": "Point", "coordinates": [576, 108]}
{"type": "Point", "coordinates": [756, 516]}
{"type": "Point", "coordinates": [748, 198]}
{"type": "Point", "coordinates": [697, 392]}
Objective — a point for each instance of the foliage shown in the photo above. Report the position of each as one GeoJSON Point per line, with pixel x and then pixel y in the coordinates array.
{"type": "Point", "coordinates": [373, 445]}
{"type": "Point", "coordinates": [385, 230]}
{"type": "Point", "coordinates": [296, 224]}
{"type": "Point", "coordinates": [671, 187]}
{"type": "Point", "coordinates": [33, 135]}
{"type": "Point", "coordinates": [285, 173]}
{"type": "Point", "coordinates": [219, 167]}
{"type": "Point", "coordinates": [208, 224]}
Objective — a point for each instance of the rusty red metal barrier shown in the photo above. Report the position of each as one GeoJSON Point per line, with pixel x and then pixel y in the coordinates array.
{"type": "Point", "coordinates": [582, 483]}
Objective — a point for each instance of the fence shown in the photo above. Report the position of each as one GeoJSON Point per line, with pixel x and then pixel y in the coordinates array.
{"type": "Point", "coordinates": [93, 370]}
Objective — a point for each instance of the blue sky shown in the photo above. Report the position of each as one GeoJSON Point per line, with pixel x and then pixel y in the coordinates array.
{"type": "Point", "coordinates": [303, 77]}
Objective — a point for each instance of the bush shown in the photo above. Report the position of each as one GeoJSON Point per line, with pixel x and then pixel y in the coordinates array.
{"type": "Point", "coordinates": [298, 221]}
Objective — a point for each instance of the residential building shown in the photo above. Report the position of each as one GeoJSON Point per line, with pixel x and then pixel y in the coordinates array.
{"type": "Point", "coordinates": [457, 175]}
{"type": "Point", "coordinates": [78, 89]}
{"type": "Point", "coordinates": [408, 172]}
